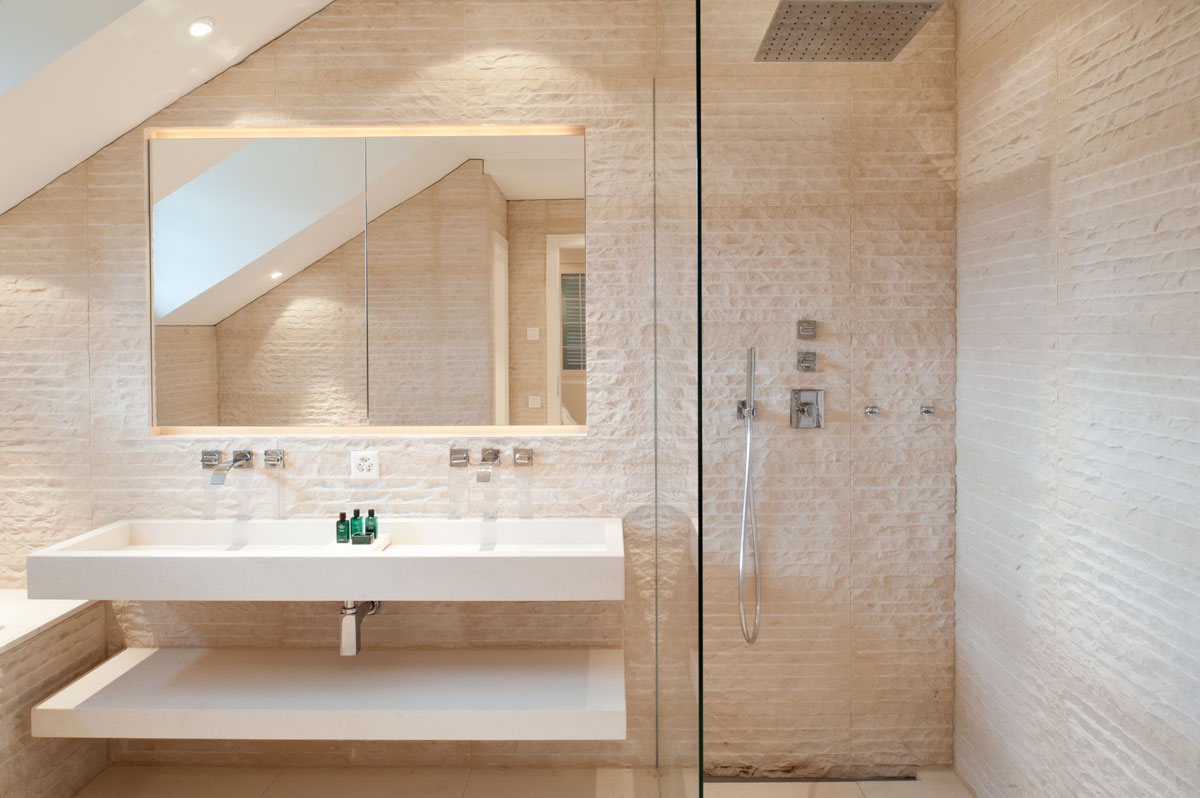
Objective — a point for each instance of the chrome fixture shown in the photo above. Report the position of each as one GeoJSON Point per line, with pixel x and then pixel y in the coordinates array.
{"type": "Point", "coordinates": [209, 458]}
{"type": "Point", "coordinates": [460, 458]}
{"type": "Point", "coordinates": [491, 458]}
{"type": "Point", "coordinates": [747, 411]}
{"type": "Point", "coordinates": [352, 614]}
{"type": "Point", "coordinates": [273, 458]}
{"type": "Point", "coordinates": [808, 408]}
{"type": "Point", "coordinates": [843, 30]}
{"type": "Point", "coordinates": [522, 457]}
{"type": "Point", "coordinates": [927, 410]}
{"type": "Point", "coordinates": [806, 329]}
{"type": "Point", "coordinates": [806, 361]}
{"type": "Point", "coordinates": [241, 459]}
{"type": "Point", "coordinates": [871, 410]}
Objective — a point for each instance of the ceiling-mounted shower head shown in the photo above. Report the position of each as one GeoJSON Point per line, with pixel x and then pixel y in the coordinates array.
{"type": "Point", "coordinates": [843, 30]}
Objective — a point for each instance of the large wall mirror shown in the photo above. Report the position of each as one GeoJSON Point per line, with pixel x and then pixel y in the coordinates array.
{"type": "Point", "coordinates": [355, 277]}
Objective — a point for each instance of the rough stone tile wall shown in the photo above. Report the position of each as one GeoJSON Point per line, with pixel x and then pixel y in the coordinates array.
{"type": "Point", "coordinates": [529, 222]}
{"type": "Point", "coordinates": [185, 379]}
{"type": "Point", "coordinates": [1077, 585]}
{"type": "Point", "coordinates": [297, 354]}
{"type": "Point", "coordinates": [29, 673]}
{"type": "Point", "coordinates": [430, 275]}
{"type": "Point", "coordinates": [74, 270]}
{"type": "Point", "coordinates": [829, 194]}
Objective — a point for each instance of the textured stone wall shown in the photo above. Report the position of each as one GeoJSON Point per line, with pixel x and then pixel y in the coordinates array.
{"type": "Point", "coordinates": [78, 453]}
{"type": "Point", "coordinates": [430, 275]}
{"type": "Point", "coordinates": [297, 354]}
{"type": "Point", "coordinates": [829, 194]}
{"type": "Point", "coordinates": [529, 222]}
{"type": "Point", "coordinates": [29, 673]}
{"type": "Point", "coordinates": [1078, 572]}
{"type": "Point", "coordinates": [185, 375]}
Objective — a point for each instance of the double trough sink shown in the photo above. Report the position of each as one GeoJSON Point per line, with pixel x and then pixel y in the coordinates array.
{"type": "Point", "coordinates": [413, 559]}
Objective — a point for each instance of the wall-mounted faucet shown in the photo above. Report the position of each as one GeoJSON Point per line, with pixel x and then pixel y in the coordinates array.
{"type": "Point", "coordinates": [491, 457]}
{"type": "Point", "coordinates": [211, 458]}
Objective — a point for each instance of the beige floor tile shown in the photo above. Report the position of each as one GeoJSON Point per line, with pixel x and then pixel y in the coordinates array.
{"type": "Point", "coordinates": [150, 781]}
{"type": "Point", "coordinates": [626, 783]}
{"type": "Point", "coordinates": [928, 784]}
{"type": "Point", "coordinates": [369, 782]}
{"type": "Point", "coordinates": [531, 784]}
{"type": "Point", "coordinates": [789, 789]}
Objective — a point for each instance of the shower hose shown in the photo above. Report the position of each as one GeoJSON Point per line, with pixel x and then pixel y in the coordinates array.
{"type": "Point", "coordinates": [749, 525]}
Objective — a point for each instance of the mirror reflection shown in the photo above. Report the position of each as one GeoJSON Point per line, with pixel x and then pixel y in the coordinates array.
{"type": "Point", "coordinates": [391, 281]}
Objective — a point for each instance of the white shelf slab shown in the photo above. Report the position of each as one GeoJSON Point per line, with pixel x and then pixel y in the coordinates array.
{"type": "Point", "coordinates": [281, 694]}
{"type": "Point", "coordinates": [415, 559]}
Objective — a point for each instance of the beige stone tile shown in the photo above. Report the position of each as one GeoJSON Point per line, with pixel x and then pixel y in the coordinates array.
{"type": "Point", "coordinates": [369, 782]}
{"type": "Point", "coordinates": [626, 783]}
{"type": "Point", "coordinates": [794, 789]}
{"type": "Point", "coordinates": [130, 781]}
{"type": "Point", "coordinates": [530, 783]}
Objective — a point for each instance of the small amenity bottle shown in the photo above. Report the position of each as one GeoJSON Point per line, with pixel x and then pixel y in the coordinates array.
{"type": "Point", "coordinates": [343, 529]}
{"type": "Point", "coordinates": [356, 524]}
{"type": "Point", "coordinates": [372, 525]}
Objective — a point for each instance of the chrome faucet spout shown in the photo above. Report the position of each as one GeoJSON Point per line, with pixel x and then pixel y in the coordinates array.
{"type": "Point", "coordinates": [241, 459]}
{"type": "Point", "coordinates": [491, 458]}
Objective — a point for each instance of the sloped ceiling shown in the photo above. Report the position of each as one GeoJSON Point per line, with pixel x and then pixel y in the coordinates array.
{"type": "Point", "coordinates": [77, 74]}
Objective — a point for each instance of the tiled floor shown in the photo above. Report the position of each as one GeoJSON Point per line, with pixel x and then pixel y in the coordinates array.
{"type": "Point", "coordinates": [131, 781]}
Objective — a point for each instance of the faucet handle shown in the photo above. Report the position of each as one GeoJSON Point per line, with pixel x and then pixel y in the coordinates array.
{"type": "Point", "coordinates": [522, 457]}
{"type": "Point", "coordinates": [460, 458]}
{"type": "Point", "coordinates": [210, 458]}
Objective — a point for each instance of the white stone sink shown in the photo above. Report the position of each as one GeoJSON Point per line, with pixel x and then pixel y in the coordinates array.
{"type": "Point", "coordinates": [415, 559]}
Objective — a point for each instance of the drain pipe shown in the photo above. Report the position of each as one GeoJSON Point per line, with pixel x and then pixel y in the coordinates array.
{"type": "Point", "coordinates": [352, 614]}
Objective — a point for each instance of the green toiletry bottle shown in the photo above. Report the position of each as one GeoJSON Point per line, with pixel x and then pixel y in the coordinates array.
{"type": "Point", "coordinates": [372, 525]}
{"type": "Point", "coordinates": [343, 529]}
{"type": "Point", "coordinates": [356, 525]}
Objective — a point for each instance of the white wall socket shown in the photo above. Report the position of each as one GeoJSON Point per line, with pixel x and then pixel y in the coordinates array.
{"type": "Point", "coordinates": [535, 401]}
{"type": "Point", "coordinates": [533, 333]}
{"type": "Point", "coordinates": [364, 465]}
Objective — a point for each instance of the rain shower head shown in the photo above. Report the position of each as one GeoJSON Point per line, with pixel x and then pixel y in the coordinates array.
{"type": "Point", "coordinates": [843, 30]}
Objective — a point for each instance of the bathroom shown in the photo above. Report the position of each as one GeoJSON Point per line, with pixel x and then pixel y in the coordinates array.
{"type": "Point", "coordinates": [865, 331]}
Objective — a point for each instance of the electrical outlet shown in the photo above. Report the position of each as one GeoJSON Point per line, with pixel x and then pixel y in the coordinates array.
{"type": "Point", "coordinates": [364, 465]}
{"type": "Point", "coordinates": [533, 333]}
{"type": "Point", "coordinates": [535, 401]}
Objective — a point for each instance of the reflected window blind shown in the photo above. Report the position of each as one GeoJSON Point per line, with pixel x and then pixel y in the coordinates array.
{"type": "Point", "coordinates": [574, 326]}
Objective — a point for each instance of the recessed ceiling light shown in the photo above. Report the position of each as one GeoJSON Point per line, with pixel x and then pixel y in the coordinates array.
{"type": "Point", "coordinates": [276, 275]}
{"type": "Point", "coordinates": [202, 27]}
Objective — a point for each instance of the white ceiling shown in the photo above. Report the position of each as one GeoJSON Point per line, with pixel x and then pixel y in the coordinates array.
{"type": "Point", "coordinates": [77, 74]}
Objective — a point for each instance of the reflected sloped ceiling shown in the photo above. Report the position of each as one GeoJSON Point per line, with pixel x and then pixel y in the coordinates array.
{"type": "Point", "coordinates": [77, 74]}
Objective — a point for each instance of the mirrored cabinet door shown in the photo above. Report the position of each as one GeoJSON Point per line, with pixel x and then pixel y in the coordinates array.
{"type": "Point", "coordinates": [257, 254]}
{"type": "Point", "coordinates": [462, 231]}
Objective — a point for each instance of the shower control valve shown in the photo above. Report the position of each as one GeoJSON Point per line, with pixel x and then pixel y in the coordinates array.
{"type": "Point", "coordinates": [808, 408]}
{"type": "Point", "coordinates": [806, 361]}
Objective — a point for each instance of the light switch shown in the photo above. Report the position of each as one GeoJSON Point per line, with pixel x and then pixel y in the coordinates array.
{"type": "Point", "coordinates": [535, 401]}
{"type": "Point", "coordinates": [533, 333]}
